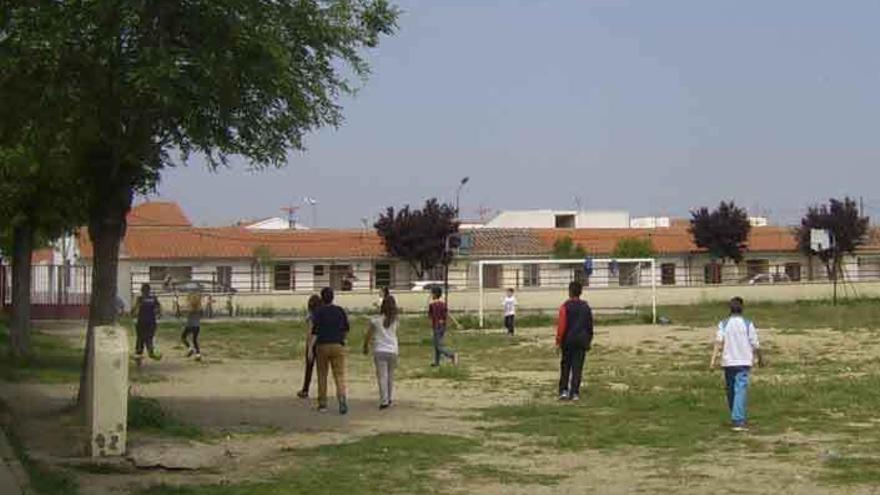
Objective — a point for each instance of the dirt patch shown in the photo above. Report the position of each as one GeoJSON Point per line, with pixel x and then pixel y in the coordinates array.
{"type": "Point", "coordinates": [253, 421]}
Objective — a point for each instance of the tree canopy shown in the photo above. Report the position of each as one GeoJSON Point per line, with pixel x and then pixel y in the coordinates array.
{"type": "Point", "coordinates": [723, 232]}
{"type": "Point", "coordinates": [565, 248]}
{"type": "Point", "coordinates": [138, 81]}
{"type": "Point", "coordinates": [633, 247]}
{"type": "Point", "coordinates": [843, 220]}
{"type": "Point", "coordinates": [418, 236]}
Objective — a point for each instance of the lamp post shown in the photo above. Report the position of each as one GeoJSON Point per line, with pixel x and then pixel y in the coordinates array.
{"type": "Point", "coordinates": [447, 249]}
{"type": "Point", "coordinates": [461, 184]}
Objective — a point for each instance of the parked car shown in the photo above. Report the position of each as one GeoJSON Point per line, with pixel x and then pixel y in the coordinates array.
{"type": "Point", "coordinates": [769, 278]}
{"type": "Point", "coordinates": [200, 286]}
{"type": "Point", "coordinates": [427, 285]}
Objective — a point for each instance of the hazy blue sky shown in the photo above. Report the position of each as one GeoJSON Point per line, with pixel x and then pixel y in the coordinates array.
{"type": "Point", "coordinates": [651, 106]}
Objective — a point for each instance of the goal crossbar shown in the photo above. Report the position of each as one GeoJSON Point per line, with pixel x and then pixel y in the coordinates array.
{"type": "Point", "coordinates": [544, 261]}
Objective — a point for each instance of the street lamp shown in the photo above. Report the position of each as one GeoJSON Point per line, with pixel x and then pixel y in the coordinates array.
{"type": "Point", "coordinates": [464, 181]}
{"type": "Point", "coordinates": [446, 254]}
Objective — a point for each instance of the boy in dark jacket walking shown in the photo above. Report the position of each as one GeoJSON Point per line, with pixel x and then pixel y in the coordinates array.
{"type": "Point", "coordinates": [574, 335]}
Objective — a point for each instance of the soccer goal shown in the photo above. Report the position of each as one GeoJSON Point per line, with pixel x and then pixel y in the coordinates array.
{"type": "Point", "coordinates": [611, 285]}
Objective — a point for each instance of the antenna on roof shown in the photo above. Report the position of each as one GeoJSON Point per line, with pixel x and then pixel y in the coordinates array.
{"type": "Point", "coordinates": [578, 203]}
{"type": "Point", "coordinates": [484, 212]}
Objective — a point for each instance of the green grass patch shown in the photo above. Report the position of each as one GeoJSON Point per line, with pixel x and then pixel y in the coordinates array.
{"type": "Point", "coordinates": [52, 359]}
{"type": "Point", "coordinates": [454, 373]}
{"type": "Point", "coordinates": [849, 314]}
{"type": "Point", "coordinates": [383, 464]}
{"type": "Point", "coordinates": [850, 471]}
{"type": "Point", "coordinates": [505, 476]}
{"type": "Point", "coordinates": [146, 415]}
{"type": "Point", "coordinates": [44, 479]}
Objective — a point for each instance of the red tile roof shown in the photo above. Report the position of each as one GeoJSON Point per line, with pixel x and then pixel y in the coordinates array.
{"type": "Point", "coordinates": [45, 256]}
{"type": "Point", "coordinates": [672, 240]}
{"type": "Point", "coordinates": [240, 243]}
{"type": "Point", "coordinates": [160, 230]}
{"type": "Point", "coordinates": [157, 214]}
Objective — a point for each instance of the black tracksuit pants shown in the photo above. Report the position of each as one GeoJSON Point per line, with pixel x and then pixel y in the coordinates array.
{"type": "Point", "coordinates": [571, 369]}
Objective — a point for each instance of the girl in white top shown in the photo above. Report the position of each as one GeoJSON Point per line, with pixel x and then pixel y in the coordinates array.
{"type": "Point", "coordinates": [382, 336]}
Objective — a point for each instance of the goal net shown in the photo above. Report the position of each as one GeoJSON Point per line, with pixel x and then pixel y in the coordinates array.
{"type": "Point", "coordinates": [611, 285]}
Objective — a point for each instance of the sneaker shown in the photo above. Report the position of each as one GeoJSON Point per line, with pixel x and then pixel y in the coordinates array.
{"type": "Point", "coordinates": [322, 408]}
{"type": "Point", "coordinates": [343, 407]}
{"type": "Point", "coordinates": [384, 406]}
{"type": "Point", "coordinates": [156, 356]}
{"type": "Point", "coordinates": [575, 397]}
{"type": "Point", "coordinates": [190, 352]}
{"type": "Point", "coordinates": [434, 365]}
{"type": "Point", "coordinates": [563, 395]}
{"type": "Point", "coordinates": [303, 394]}
{"type": "Point", "coordinates": [740, 428]}
{"type": "Point", "coordinates": [198, 357]}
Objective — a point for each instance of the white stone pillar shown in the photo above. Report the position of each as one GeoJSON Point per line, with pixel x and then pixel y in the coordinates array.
{"type": "Point", "coordinates": [108, 397]}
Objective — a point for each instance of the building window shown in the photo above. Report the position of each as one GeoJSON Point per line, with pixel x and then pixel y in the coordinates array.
{"type": "Point", "coordinates": [384, 275]}
{"type": "Point", "coordinates": [170, 273]}
{"type": "Point", "coordinates": [712, 273]}
{"type": "Point", "coordinates": [341, 277]}
{"type": "Point", "coordinates": [793, 270]}
{"type": "Point", "coordinates": [492, 276]}
{"type": "Point", "coordinates": [224, 277]}
{"type": "Point", "coordinates": [318, 270]}
{"type": "Point", "coordinates": [757, 267]}
{"type": "Point", "coordinates": [667, 274]}
{"type": "Point", "coordinates": [565, 221]}
{"type": "Point", "coordinates": [531, 275]}
{"type": "Point", "coordinates": [283, 276]}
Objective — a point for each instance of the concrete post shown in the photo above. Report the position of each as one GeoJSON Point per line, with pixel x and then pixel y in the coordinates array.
{"type": "Point", "coordinates": [107, 406]}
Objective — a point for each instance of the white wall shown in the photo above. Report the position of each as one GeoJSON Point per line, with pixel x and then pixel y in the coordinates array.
{"type": "Point", "coordinates": [546, 219]}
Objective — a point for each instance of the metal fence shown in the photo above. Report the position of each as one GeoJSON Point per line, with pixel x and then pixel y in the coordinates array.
{"type": "Point", "coordinates": [57, 291]}
{"type": "Point", "coordinates": [301, 278]}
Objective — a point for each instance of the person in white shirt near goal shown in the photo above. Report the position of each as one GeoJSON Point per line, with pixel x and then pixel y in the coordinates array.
{"type": "Point", "coordinates": [737, 343]}
{"type": "Point", "coordinates": [509, 303]}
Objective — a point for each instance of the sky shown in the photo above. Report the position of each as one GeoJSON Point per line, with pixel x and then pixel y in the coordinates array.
{"type": "Point", "coordinates": [651, 107]}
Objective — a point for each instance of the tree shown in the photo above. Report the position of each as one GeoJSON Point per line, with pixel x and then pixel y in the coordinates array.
{"type": "Point", "coordinates": [32, 213]}
{"type": "Point", "coordinates": [418, 236]}
{"type": "Point", "coordinates": [633, 247]}
{"type": "Point", "coordinates": [143, 79]}
{"type": "Point", "coordinates": [723, 232]}
{"type": "Point", "coordinates": [847, 227]}
{"type": "Point", "coordinates": [39, 196]}
{"type": "Point", "coordinates": [565, 249]}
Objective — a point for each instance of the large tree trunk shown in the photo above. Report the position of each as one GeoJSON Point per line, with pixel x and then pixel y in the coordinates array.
{"type": "Point", "coordinates": [106, 230]}
{"type": "Point", "coordinates": [20, 326]}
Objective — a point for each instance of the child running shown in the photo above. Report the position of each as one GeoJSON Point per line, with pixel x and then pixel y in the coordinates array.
{"type": "Point", "coordinates": [574, 336]}
{"type": "Point", "coordinates": [737, 343]}
{"type": "Point", "coordinates": [382, 335]}
{"type": "Point", "coordinates": [148, 312]}
{"type": "Point", "coordinates": [438, 313]}
{"type": "Point", "coordinates": [509, 304]}
{"type": "Point", "coordinates": [193, 325]}
{"type": "Point", "coordinates": [313, 304]}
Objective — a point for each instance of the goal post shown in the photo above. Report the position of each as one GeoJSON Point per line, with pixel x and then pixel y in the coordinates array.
{"type": "Point", "coordinates": [619, 282]}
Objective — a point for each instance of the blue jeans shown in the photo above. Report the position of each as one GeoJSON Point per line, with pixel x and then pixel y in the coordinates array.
{"type": "Point", "coordinates": [439, 348]}
{"type": "Point", "coordinates": [737, 381]}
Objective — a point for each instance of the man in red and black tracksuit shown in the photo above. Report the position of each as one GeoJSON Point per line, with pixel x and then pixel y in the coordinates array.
{"type": "Point", "coordinates": [574, 335]}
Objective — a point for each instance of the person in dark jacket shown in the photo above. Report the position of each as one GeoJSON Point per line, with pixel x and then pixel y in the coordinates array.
{"type": "Point", "coordinates": [148, 311]}
{"type": "Point", "coordinates": [329, 330]}
{"type": "Point", "coordinates": [574, 336]}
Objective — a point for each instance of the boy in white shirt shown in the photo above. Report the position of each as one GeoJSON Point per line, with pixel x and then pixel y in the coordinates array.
{"type": "Point", "coordinates": [737, 343]}
{"type": "Point", "coordinates": [509, 303]}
